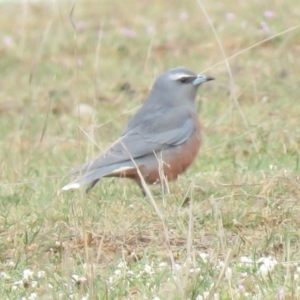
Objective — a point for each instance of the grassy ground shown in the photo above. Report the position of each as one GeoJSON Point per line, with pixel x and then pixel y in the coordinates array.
{"type": "Point", "coordinates": [230, 227]}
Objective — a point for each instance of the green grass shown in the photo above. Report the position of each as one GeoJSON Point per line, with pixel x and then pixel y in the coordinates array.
{"type": "Point", "coordinates": [225, 222]}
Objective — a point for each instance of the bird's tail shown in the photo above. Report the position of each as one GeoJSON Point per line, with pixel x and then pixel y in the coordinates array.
{"type": "Point", "coordinates": [92, 176]}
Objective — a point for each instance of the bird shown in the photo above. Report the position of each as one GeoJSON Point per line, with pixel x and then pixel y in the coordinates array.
{"type": "Point", "coordinates": [160, 141]}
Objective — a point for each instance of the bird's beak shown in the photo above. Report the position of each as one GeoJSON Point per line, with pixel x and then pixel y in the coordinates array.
{"type": "Point", "coordinates": [201, 78]}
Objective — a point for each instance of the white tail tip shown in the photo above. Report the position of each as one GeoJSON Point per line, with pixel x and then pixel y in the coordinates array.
{"type": "Point", "coordinates": [71, 186]}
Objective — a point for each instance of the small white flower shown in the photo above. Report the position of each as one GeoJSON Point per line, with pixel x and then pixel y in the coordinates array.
{"type": "Point", "coordinates": [269, 262]}
{"type": "Point", "coordinates": [163, 264]}
{"type": "Point", "coordinates": [75, 277]}
{"type": "Point", "coordinates": [203, 256]}
{"type": "Point", "coordinates": [10, 264]}
{"type": "Point", "coordinates": [177, 266]}
{"type": "Point", "coordinates": [228, 273]}
{"type": "Point", "coordinates": [220, 264]}
{"type": "Point", "coordinates": [32, 296]}
{"type": "Point", "coordinates": [122, 265]}
{"type": "Point", "coordinates": [27, 274]}
{"type": "Point", "coordinates": [155, 298]}
{"type": "Point", "coordinates": [199, 297]}
{"type": "Point", "coordinates": [117, 272]}
{"type": "Point", "coordinates": [216, 296]}
{"type": "Point", "coordinates": [4, 275]}
{"type": "Point", "coordinates": [129, 272]}
{"type": "Point", "coordinates": [18, 283]}
{"type": "Point", "coordinates": [280, 295]}
{"type": "Point", "coordinates": [263, 270]}
{"type": "Point", "coordinates": [78, 279]}
{"type": "Point", "coordinates": [33, 284]}
{"type": "Point", "coordinates": [50, 286]}
{"type": "Point", "coordinates": [246, 260]}
{"type": "Point", "coordinates": [195, 270]}
{"type": "Point", "coordinates": [41, 274]}
{"type": "Point", "coordinates": [235, 222]}
{"type": "Point", "coordinates": [148, 269]}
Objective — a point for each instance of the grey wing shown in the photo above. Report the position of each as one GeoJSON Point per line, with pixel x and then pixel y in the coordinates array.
{"type": "Point", "coordinates": [152, 135]}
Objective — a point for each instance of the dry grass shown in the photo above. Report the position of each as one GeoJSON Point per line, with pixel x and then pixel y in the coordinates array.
{"type": "Point", "coordinates": [230, 227]}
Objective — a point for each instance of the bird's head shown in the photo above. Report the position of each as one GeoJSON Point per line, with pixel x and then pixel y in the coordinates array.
{"type": "Point", "coordinates": [178, 85]}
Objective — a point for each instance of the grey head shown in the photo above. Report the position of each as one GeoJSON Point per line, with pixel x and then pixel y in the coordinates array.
{"type": "Point", "coordinates": [173, 88]}
{"type": "Point", "coordinates": [177, 86]}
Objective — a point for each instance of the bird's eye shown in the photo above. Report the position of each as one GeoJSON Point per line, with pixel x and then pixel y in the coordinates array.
{"type": "Point", "coordinates": [183, 80]}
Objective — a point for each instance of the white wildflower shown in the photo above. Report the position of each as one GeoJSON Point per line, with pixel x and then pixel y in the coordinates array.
{"type": "Point", "coordinates": [228, 273]}
{"type": "Point", "coordinates": [117, 272]}
{"type": "Point", "coordinates": [78, 279]}
{"type": "Point", "coordinates": [41, 274]}
{"type": "Point", "coordinates": [235, 222]}
{"type": "Point", "coordinates": [111, 279]}
{"type": "Point", "coordinates": [148, 269]}
{"type": "Point", "coordinates": [246, 260]}
{"type": "Point", "coordinates": [195, 270]}
{"type": "Point", "coordinates": [32, 296]}
{"type": "Point", "coordinates": [263, 270]}
{"type": "Point", "coordinates": [216, 296]}
{"type": "Point", "coordinates": [27, 274]}
{"type": "Point", "coordinates": [4, 275]}
{"type": "Point", "coordinates": [269, 262]}
{"type": "Point", "coordinates": [58, 244]}
{"type": "Point", "coordinates": [280, 295]}
{"type": "Point", "coordinates": [162, 264]}
{"type": "Point", "coordinates": [18, 283]}
{"type": "Point", "coordinates": [203, 256]}
{"type": "Point", "coordinates": [177, 266]}
{"type": "Point", "coordinates": [10, 264]}
{"type": "Point", "coordinates": [122, 265]}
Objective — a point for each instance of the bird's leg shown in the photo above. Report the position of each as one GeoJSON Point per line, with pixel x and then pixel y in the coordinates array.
{"type": "Point", "coordinates": [137, 179]}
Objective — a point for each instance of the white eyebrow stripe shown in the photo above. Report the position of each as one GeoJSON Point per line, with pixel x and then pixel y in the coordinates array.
{"type": "Point", "coordinates": [179, 75]}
